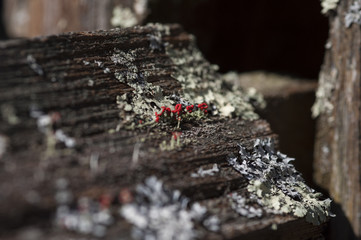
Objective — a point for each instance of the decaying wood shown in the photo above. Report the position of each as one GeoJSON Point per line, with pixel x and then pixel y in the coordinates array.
{"type": "Point", "coordinates": [69, 80]}
{"type": "Point", "coordinates": [35, 18]}
{"type": "Point", "coordinates": [337, 149]}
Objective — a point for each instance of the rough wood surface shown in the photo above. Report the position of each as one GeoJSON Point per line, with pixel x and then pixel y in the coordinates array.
{"type": "Point", "coordinates": [337, 150]}
{"type": "Point", "coordinates": [70, 78]}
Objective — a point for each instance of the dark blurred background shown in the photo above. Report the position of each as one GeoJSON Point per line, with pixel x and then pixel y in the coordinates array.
{"type": "Point", "coordinates": [2, 29]}
{"type": "Point", "coordinates": [284, 36]}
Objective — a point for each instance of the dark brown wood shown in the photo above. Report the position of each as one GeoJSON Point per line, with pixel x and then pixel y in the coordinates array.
{"type": "Point", "coordinates": [337, 149]}
{"type": "Point", "coordinates": [60, 76]}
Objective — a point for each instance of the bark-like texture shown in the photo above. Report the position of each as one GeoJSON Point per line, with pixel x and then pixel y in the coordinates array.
{"type": "Point", "coordinates": [337, 150]}
{"type": "Point", "coordinates": [67, 83]}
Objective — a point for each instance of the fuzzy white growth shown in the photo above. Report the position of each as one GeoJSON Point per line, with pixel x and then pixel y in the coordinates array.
{"type": "Point", "coordinates": [203, 172]}
{"type": "Point", "coordinates": [276, 185]}
{"type": "Point", "coordinates": [354, 14]}
{"type": "Point", "coordinates": [328, 5]}
{"type": "Point", "coordinates": [161, 214]}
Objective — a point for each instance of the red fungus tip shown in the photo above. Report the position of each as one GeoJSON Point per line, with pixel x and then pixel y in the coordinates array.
{"type": "Point", "coordinates": [176, 135]}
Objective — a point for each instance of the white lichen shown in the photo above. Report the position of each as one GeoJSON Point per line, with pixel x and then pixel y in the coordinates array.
{"type": "Point", "coordinates": [158, 213]}
{"type": "Point", "coordinates": [353, 14]}
{"type": "Point", "coordinates": [275, 184]}
{"type": "Point", "coordinates": [328, 5]}
{"type": "Point", "coordinates": [204, 172]}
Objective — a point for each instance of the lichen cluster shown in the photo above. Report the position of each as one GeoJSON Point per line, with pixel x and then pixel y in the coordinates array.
{"type": "Point", "coordinates": [276, 186]}
{"type": "Point", "coordinates": [201, 83]}
{"type": "Point", "coordinates": [146, 98]}
{"type": "Point", "coordinates": [128, 16]}
{"type": "Point", "coordinates": [323, 103]}
{"type": "Point", "coordinates": [328, 5]}
{"type": "Point", "coordinates": [159, 213]}
{"type": "Point", "coordinates": [199, 80]}
{"type": "Point", "coordinates": [123, 17]}
{"type": "Point", "coordinates": [353, 14]}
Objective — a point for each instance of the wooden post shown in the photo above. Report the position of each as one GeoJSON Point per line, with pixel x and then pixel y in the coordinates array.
{"type": "Point", "coordinates": [337, 150]}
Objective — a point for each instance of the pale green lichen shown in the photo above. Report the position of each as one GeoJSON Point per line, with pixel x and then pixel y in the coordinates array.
{"type": "Point", "coordinates": [328, 5]}
{"type": "Point", "coordinates": [123, 17]}
{"type": "Point", "coordinates": [251, 94]}
{"type": "Point", "coordinates": [274, 201]}
{"type": "Point", "coordinates": [323, 103]}
{"type": "Point", "coordinates": [201, 83]}
{"type": "Point", "coordinates": [199, 80]}
{"type": "Point", "coordinates": [161, 28]}
{"type": "Point", "coordinates": [8, 114]}
{"type": "Point", "coordinates": [146, 98]}
{"type": "Point", "coordinates": [171, 145]}
{"type": "Point", "coordinates": [130, 14]}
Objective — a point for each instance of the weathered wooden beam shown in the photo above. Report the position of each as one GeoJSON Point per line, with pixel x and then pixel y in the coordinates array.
{"type": "Point", "coordinates": [83, 136]}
